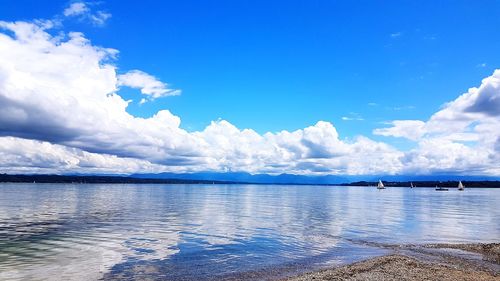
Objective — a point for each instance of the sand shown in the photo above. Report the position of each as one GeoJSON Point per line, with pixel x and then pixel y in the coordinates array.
{"type": "Point", "coordinates": [425, 262]}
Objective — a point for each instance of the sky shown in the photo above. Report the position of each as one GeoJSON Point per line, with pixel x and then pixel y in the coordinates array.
{"type": "Point", "coordinates": [315, 87]}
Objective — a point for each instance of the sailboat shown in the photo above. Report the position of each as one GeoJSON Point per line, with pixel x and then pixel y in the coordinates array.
{"type": "Point", "coordinates": [411, 185]}
{"type": "Point", "coordinates": [460, 186]}
{"type": "Point", "coordinates": [380, 185]}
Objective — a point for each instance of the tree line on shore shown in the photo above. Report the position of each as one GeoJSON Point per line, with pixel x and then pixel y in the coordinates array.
{"type": "Point", "coordinates": [95, 179]}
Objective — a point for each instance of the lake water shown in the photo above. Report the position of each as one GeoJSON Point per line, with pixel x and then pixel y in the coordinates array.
{"type": "Point", "coordinates": [193, 232]}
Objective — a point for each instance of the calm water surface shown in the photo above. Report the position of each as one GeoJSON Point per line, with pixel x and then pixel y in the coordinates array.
{"type": "Point", "coordinates": [193, 232]}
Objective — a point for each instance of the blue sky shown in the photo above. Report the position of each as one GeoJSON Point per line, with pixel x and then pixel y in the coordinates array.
{"type": "Point", "coordinates": [285, 65]}
{"type": "Point", "coordinates": [293, 62]}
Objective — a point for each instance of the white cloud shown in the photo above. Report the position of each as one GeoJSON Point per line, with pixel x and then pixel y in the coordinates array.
{"type": "Point", "coordinates": [440, 155]}
{"type": "Point", "coordinates": [410, 129]}
{"type": "Point", "coordinates": [148, 84]}
{"type": "Point", "coordinates": [462, 136]}
{"type": "Point", "coordinates": [60, 110]}
{"type": "Point", "coordinates": [76, 9]}
{"type": "Point", "coordinates": [19, 155]}
{"type": "Point", "coordinates": [479, 106]}
{"type": "Point", "coordinates": [347, 118]}
{"type": "Point", "coordinates": [84, 12]}
{"type": "Point", "coordinates": [407, 107]}
{"type": "Point", "coordinates": [353, 116]}
{"type": "Point", "coordinates": [100, 17]}
{"type": "Point", "coordinates": [396, 34]}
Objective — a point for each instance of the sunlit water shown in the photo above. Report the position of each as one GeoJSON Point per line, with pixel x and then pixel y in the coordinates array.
{"type": "Point", "coordinates": [193, 232]}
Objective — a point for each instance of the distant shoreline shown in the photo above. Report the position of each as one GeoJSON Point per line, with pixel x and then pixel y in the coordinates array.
{"type": "Point", "coordinates": [5, 178]}
{"type": "Point", "coordinates": [424, 184]}
{"type": "Point", "coordinates": [82, 179]}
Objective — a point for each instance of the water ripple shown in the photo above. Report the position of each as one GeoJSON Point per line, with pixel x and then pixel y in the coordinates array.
{"type": "Point", "coordinates": [192, 232]}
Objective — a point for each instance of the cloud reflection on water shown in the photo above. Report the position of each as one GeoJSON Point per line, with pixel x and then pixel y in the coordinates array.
{"type": "Point", "coordinates": [85, 232]}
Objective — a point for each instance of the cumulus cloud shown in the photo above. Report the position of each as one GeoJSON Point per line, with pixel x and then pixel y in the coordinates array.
{"type": "Point", "coordinates": [84, 12]}
{"type": "Point", "coordinates": [19, 155]}
{"type": "Point", "coordinates": [440, 155]}
{"type": "Point", "coordinates": [148, 84]}
{"type": "Point", "coordinates": [463, 135]}
{"type": "Point", "coordinates": [60, 110]}
{"type": "Point", "coordinates": [486, 99]}
{"type": "Point", "coordinates": [410, 129]}
{"type": "Point", "coordinates": [65, 92]}
{"type": "Point", "coordinates": [477, 108]}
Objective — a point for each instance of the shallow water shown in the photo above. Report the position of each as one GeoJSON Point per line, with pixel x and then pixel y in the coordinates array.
{"type": "Point", "coordinates": [193, 232]}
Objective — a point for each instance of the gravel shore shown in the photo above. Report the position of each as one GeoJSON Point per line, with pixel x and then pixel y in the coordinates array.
{"type": "Point", "coordinates": [419, 265]}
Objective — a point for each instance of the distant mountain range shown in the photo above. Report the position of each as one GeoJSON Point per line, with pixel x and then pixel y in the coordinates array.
{"type": "Point", "coordinates": [250, 178]}
{"type": "Point", "coordinates": [237, 177]}
{"type": "Point", "coordinates": [303, 179]}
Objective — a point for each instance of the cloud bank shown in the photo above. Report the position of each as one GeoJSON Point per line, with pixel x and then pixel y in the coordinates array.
{"type": "Point", "coordinates": [60, 111]}
{"type": "Point", "coordinates": [463, 136]}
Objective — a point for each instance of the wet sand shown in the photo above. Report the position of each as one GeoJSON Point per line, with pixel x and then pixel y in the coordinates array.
{"type": "Point", "coordinates": [421, 262]}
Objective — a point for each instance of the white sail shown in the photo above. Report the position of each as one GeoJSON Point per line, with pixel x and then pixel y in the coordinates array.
{"type": "Point", "coordinates": [380, 184]}
{"type": "Point", "coordinates": [460, 185]}
{"type": "Point", "coordinates": [411, 185]}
